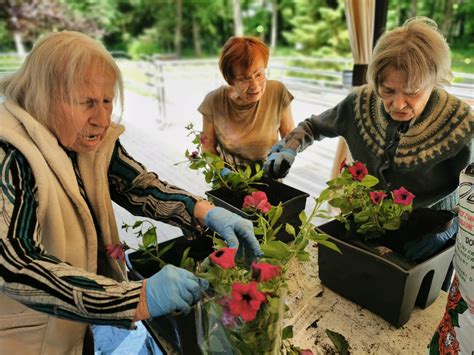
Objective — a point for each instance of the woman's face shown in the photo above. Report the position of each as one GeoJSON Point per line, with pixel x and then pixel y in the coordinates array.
{"type": "Point", "coordinates": [401, 103]}
{"type": "Point", "coordinates": [249, 84]}
{"type": "Point", "coordinates": [82, 125]}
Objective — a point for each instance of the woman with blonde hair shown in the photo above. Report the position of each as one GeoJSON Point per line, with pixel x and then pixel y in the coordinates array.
{"type": "Point", "coordinates": [62, 165]}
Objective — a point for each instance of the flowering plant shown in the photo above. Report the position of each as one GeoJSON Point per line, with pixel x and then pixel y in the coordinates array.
{"type": "Point", "coordinates": [371, 211]}
{"type": "Point", "coordinates": [244, 307]}
{"type": "Point", "coordinates": [148, 246]}
{"type": "Point", "coordinates": [248, 302]}
{"type": "Point", "coordinates": [216, 171]}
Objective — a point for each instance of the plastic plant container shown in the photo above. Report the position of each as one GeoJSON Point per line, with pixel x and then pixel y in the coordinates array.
{"type": "Point", "coordinates": [174, 334]}
{"type": "Point", "coordinates": [293, 202]}
{"type": "Point", "coordinates": [385, 287]}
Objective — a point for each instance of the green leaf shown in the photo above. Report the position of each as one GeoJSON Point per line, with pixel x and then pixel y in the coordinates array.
{"type": "Point", "coordinates": [302, 217]}
{"type": "Point", "coordinates": [392, 224]}
{"type": "Point", "coordinates": [149, 238]}
{"type": "Point", "coordinates": [208, 176]}
{"type": "Point", "coordinates": [290, 230]}
{"type": "Point", "coordinates": [362, 216]}
{"type": "Point", "coordinates": [275, 249]}
{"type": "Point", "coordinates": [276, 213]}
{"type": "Point", "coordinates": [342, 203]}
{"type": "Point", "coordinates": [339, 342]}
{"type": "Point", "coordinates": [330, 245]}
{"type": "Point", "coordinates": [369, 181]}
{"type": "Point", "coordinates": [324, 195]}
{"type": "Point", "coordinates": [220, 165]}
{"type": "Point", "coordinates": [164, 250]}
{"type": "Point", "coordinates": [303, 256]}
{"type": "Point", "coordinates": [287, 332]}
{"type": "Point", "coordinates": [137, 224]}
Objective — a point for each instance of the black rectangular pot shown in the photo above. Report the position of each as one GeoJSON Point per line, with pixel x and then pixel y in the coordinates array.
{"type": "Point", "coordinates": [174, 334]}
{"type": "Point", "coordinates": [385, 287]}
{"type": "Point", "coordinates": [293, 202]}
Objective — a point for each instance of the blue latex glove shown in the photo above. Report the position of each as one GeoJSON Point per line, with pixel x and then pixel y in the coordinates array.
{"type": "Point", "coordinates": [173, 289]}
{"type": "Point", "coordinates": [279, 161]}
{"type": "Point", "coordinates": [235, 230]}
{"type": "Point", "coordinates": [225, 171]}
{"type": "Point", "coordinates": [428, 245]}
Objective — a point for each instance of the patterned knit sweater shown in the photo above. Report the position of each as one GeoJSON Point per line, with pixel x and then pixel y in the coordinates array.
{"type": "Point", "coordinates": [425, 156]}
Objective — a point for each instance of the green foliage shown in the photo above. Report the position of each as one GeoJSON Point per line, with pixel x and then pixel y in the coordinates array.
{"type": "Point", "coordinates": [318, 29]}
{"type": "Point", "coordinates": [339, 342]}
{"type": "Point", "coordinates": [146, 231]}
{"type": "Point", "coordinates": [369, 215]}
{"type": "Point", "coordinates": [6, 42]}
{"type": "Point", "coordinates": [145, 44]}
{"type": "Point", "coordinates": [211, 165]}
{"type": "Point", "coordinates": [311, 27]}
{"type": "Point", "coordinates": [223, 331]}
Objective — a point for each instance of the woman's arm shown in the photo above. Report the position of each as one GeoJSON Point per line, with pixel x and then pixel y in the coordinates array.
{"type": "Point", "coordinates": [142, 193]}
{"type": "Point", "coordinates": [209, 140]}
{"type": "Point", "coordinates": [286, 123]}
{"type": "Point", "coordinates": [39, 280]}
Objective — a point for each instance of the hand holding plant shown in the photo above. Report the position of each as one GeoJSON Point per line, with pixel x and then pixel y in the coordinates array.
{"type": "Point", "coordinates": [247, 304]}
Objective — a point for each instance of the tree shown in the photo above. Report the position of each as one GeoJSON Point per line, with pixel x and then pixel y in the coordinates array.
{"type": "Point", "coordinates": [238, 26]}
{"type": "Point", "coordinates": [178, 30]}
{"type": "Point", "coordinates": [28, 19]}
{"type": "Point", "coordinates": [274, 30]}
{"type": "Point", "coordinates": [318, 29]}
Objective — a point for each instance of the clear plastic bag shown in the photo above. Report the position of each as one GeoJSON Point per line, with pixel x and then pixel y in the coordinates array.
{"type": "Point", "coordinates": [218, 332]}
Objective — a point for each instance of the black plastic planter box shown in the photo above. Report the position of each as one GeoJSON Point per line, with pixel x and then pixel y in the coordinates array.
{"type": "Point", "coordinates": [173, 334]}
{"type": "Point", "coordinates": [387, 288]}
{"type": "Point", "coordinates": [293, 202]}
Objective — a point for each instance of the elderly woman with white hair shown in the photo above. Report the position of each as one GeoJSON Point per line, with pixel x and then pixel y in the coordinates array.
{"type": "Point", "coordinates": [62, 165]}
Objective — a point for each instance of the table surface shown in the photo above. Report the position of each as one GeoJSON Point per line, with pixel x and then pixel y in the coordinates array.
{"type": "Point", "coordinates": [315, 308]}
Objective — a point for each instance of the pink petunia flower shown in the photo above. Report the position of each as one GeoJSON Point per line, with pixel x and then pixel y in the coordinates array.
{"type": "Point", "coordinates": [203, 138]}
{"type": "Point", "coordinates": [224, 257]}
{"type": "Point", "coordinates": [358, 171]}
{"type": "Point", "coordinates": [402, 196]}
{"type": "Point", "coordinates": [377, 196]}
{"type": "Point", "coordinates": [305, 352]}
{"type": "Point", "coordinates": [116, 251]}
{"type": "Point", "coordinates": [257, 200]}
{"type": "Point", "coordinates": [245, 300]}
{"type": "Point", "coordinates": [193, 155]}
{"type": "Point", "coordinates": [265, 272]}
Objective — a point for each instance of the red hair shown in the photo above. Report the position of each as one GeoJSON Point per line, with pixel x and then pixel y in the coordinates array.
{"type": "Point", "coordinates": [241, 52]}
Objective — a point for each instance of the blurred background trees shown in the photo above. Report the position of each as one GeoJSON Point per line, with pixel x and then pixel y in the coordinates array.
{"type": "Point", "coordinates": [198, 28]}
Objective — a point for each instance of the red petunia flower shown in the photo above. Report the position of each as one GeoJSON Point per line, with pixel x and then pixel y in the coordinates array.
{"type": "Point", "coordinates": [402, 196]}
{"type": "Point", "coordinates": [265, 272]}
{"type": "Point", "coordinates": [257, 200]}
{"type": "Point", "coordinates": [377, 196]}
{"type": "Point", "coordinates": [224, 257]}
{"type": "Point", "coordinates": [342, 165]}
{"type": "Point", "coordinates": [245, 300]}
{"type": "Point", "coordinates": [116, 251]}
{"type": "Point", "coordinates": [358, 171]}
